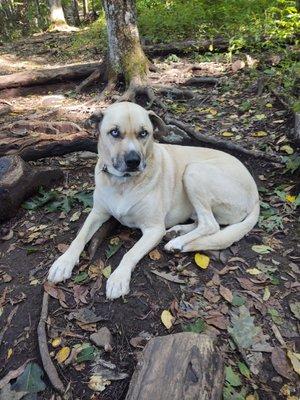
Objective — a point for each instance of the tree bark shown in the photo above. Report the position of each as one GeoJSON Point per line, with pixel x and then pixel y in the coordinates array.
{"type": "Point", "coordinates": [126, 56]}
{"type": "Point", "coordinates": [57, 16]}
{"type": "Point", "coordinates": [185, 366]}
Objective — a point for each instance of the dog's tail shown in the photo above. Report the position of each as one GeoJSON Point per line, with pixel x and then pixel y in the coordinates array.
{"type": "Point", "coordinates": [227, 236]}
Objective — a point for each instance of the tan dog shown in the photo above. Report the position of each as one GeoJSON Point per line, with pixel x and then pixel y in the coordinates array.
{"type": "Point", "coordinates": [152, 186]}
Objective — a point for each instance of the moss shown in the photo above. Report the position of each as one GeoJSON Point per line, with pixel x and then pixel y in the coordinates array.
{"type": "Point", "coordinates": [135, 64]}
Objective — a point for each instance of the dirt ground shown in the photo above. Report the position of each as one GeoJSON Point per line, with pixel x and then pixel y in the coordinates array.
{"type": "Point", "coordinates": [259, 274]}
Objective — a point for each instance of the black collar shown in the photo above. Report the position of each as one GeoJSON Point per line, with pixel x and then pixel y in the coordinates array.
{"type": "Point", "coordinates": [106, 171]}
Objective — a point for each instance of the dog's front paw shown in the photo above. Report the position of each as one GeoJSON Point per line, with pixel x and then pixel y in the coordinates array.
{"type": "Point", "coordinates": [118, 284]}
{"type": "Point", "coordinates": [174, 245]}
{"type": "Point", "coordinates": [61, 269]}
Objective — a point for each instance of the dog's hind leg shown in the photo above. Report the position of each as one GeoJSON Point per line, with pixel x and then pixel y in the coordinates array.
{"type": "Point", "coordinates": [196, 179]}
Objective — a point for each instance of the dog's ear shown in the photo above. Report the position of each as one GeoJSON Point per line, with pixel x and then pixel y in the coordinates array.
{"type": "Point", "coordinates": [94, 120]}
{"type": "Point", "coordinates": [159, 127]}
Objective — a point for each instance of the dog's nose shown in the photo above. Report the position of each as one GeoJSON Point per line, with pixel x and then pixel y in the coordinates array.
{"type": "Point", "coordinates": [132, 160]}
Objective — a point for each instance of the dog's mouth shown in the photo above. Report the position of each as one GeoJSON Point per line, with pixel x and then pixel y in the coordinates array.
{"type": "Point", "coordinates": [123, 170]}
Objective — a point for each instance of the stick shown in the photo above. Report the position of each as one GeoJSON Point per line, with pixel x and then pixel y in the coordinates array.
{"type": "Point", "coordinates": [222, 144]}
{"type": "Point", "coordinates": [43, 346]}
{"type": "Point", "coordinates": [100, 235]}
{"type": "Point", "coordinates": [8, 322]}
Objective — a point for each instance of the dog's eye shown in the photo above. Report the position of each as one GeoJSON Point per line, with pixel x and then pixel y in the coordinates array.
{"type": "Point", "coordinates": [115, 133]}
{"type": "Point", "coordinates": [143, 134]}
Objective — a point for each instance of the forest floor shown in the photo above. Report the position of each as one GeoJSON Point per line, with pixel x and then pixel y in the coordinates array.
{"type": "Point", "coordinates": [246, 297]}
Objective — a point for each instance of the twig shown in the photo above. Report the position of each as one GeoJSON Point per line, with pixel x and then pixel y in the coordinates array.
{"type": "Point", "coordinates": [43, 346]}
{"type": "Point", "coordinates": [100, 235]}
{"type": "Point", "coordinates": [8, 322]}
{"type": "Point", "coordinates": [222, 144]}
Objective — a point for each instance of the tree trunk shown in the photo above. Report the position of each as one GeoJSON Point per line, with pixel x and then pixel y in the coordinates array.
{"type": "Point", "coordinates": [126, 56]}
{"type": "Point", "coordinates": [57, 16]}
{"type": "Point", "coordinates": [185, 366]}
{"type": "Point", "coordinates": [75, 13]}
{"type": "Point", "coordinates": [85, 5]}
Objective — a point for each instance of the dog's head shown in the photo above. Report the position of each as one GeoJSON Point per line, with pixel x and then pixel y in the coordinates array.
{"type": "Point", "coordinates": [126, 137]}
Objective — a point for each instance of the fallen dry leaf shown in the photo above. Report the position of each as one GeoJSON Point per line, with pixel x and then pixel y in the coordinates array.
{"type": "Point", "coordinates": [63, 354]}
{"type": "Point", "coordinates": [155, 255]}
{"type": "Point", "coordinates": [202, 260]}
{"type": "Point", "coordinates": [167, 319]}
{"type": "Point", "coordinates": [280, 363]}
{"type": "Point", "coordinates": [295, 360]}
{"type": "Point", "coordinates": [226, 293]}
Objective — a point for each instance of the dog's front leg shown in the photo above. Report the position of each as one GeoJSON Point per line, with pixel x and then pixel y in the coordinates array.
{"type": "Point", "coordinates": [118, 283]}
{"type": "Point", "coordinates": [62, 268]}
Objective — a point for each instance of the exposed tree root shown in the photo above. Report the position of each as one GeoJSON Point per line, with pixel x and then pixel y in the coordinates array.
{"type": "Point", "coordinates": [202, 80]}
{"type": "Point", "coordinates": [100, 235]}
{"type": "Point", "coordinates": [44, 351]}
{"type": "Point", "coordinates": [222, 144]}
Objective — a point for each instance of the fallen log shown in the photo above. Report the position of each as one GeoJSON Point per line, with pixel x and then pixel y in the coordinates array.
{"type": "Point", "coordinates": [42, 76]}
{"type": "Point", "coordinates": [186, 46]}
{"type": "Point", "coordinates": [19, 180]}
{"type": "Point", "coordinates": [184, 366]}
{"type": "Point", "coordinates": [36, 139]}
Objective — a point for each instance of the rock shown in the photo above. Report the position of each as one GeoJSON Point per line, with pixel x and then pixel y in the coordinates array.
{"type": "Point", "coordinates": [102, 338]}
{"type": "Point", "coordinates": [19, 180]}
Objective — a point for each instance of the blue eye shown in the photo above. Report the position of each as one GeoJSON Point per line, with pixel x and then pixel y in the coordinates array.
{"type": "Point", "coordinates": [143, 134]}
{"type": "Point", "coordinates": [115, 133]}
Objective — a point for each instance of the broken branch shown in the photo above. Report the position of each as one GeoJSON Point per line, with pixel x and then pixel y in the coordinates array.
{"type": "Point", "coordinates": [43, 346]}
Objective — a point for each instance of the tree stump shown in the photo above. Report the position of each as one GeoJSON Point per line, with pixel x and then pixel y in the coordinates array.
{"type": "Point", "coordinates": [19, 180]}
{"type": "Point", "coordinates": [184, 366]}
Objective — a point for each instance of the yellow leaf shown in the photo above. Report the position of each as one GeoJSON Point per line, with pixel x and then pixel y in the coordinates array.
{"type": "Point", "coordinates": [253, 271]}
{"type": "Point", "coordinates": [9, 353]}
{"type": "Point", "coordinates": [269, 105]}
{"type": "Point", "coordinates": [287, 149]}
{"type": "Point", "coordinates": [295, 360]}
{"type": "Point", "coordinates": [98, 383]}
{"type": "Point", "coordinates": [56, 342]}
{"type": "Point", "coordinates": [155, 255]}
{"type": "Point", "coordinates": [167, 319]}
{"type": "Point", "coordinates": [227, 134]}
{"type": "Point", "coordinates": [267, 294]}
{"type": "Point", "coordinates": [34, 282]}
{"type": "Point", "coordinates": [259, 134]}
{"type": "Point", "coordinates": [107, 271]}
{"type": "Point", "coordinates": [213, 111]}
{"type": "Point", "coordinates": [290, 198]}
{"type": "Point", "coordinates": [63, 354]}
{"type": "Point", "coordinates": [202, 260]}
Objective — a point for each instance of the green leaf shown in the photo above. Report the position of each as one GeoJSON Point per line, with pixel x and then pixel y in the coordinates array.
{"type": "Point", "coordinates": [81, 277]}
{"type": "Point", "coordinates": [261, 249]}
{"type": "Point", "coordinates": [30, 381]}
{"type": "Point", "coordinates": [243, 330]}
{"type": "Point", "coordinates": [86, 354]}
{"type": "Point", "coordinates": [232, 377]}
{"type": "Point", "coordinates": [86, 198]}
{"type": "Point", "coordinates": [40, 200]}
{"type": "Point", "coordinates": [112, 249]}
{"type": "Point", "coordinates": [237, 300]}
{"type": "Point", "coordinates": [274, 314]}
{"type": "Point", "coordinates": [197, 327]}
{"type": "Point", "coordinates": [244, 370]}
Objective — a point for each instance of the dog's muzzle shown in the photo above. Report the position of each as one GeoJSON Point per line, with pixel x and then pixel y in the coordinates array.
{"type": "Point", "coordinates": [132, 160]}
